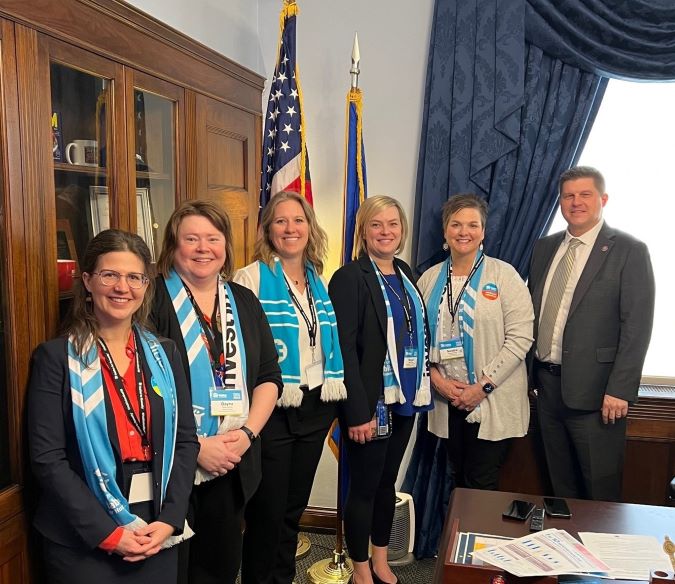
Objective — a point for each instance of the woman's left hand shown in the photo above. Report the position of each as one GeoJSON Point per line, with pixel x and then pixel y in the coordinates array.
{"type": "Point", "coordinates": [241, 444]}
{"type": "Point", "coordinates": [469, 397]}
{"type": "Point", "coordinates": [158, 532]}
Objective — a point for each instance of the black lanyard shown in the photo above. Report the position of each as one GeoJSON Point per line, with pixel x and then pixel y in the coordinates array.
{"type": "Point", "coordinates": [407, 310]}
{"type": "Point", "coordinates": [214, 339]}
{"type": "Point", "coordinates": [311, 323]}
{"type": "Point", "coordinates": [141, 424]}
{"type": "Point", "coordinates": [453, 307]}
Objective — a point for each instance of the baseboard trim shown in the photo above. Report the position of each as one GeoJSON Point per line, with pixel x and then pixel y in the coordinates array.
{"type": "Point", "coordinates": [320, 519]}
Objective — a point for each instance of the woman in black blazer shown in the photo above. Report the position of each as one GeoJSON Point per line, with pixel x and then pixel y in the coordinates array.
{"type": "Point", "coordinates": [111, 435]}
{"type": "Point", "coordinates": [383, 335]}
{"type": "Point", "coordinates": [234, 376]}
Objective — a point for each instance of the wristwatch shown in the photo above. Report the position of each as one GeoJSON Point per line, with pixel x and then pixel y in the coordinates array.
{"type": "Point", "coordinates": [488, 388]}
{"type": "Point", "coordinates": [251, 436]}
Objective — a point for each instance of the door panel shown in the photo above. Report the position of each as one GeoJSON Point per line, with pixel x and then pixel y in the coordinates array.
{"type": "Point", "coordinates": [227, 170]}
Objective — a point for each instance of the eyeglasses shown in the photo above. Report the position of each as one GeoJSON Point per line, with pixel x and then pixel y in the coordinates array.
{"type": "Point", "coordinates": [111, 277]}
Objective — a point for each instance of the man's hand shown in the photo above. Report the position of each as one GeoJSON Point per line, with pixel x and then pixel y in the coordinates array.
{"type": "Point", "coordinates": [613, 408]}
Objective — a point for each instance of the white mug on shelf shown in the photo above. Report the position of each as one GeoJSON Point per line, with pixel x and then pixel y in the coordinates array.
{"type": "Point", "coordinates": [82, 152]}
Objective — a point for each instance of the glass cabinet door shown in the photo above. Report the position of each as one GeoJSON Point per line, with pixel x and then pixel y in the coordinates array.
{"type": "Point", "coordinates": [157, 106]}
{"type": "Point", "coordinates": [80, 129]}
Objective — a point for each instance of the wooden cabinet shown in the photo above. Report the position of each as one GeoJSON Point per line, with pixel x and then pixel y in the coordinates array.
{"type": "Point", "coordinates": [107, 118]}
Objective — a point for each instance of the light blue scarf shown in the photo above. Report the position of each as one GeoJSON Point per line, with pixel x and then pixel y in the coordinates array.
{"type": "Point", "coordinates": [390, 373]}
{"type": "Point", "coordinates": [201, 371]}
{"type": "Point", "coordinates": [467, 314]}
{"type": "Point", "coordinates": [91, 427]}
{"type": "Point", "coordinates": [283, 320]}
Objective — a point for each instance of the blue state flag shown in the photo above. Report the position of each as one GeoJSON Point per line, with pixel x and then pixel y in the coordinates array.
{"type": "Point", "coordinates": [356, 189]}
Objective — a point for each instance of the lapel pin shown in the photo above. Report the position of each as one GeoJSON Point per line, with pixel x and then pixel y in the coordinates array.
{"type": "Point", "coordinates": [604, 248]}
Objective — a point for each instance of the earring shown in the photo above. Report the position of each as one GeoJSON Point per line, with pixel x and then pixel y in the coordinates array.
{"type": "Point", "coordinates": [446, 247]}
{"type": "Point", "coordinates": [481, 246]}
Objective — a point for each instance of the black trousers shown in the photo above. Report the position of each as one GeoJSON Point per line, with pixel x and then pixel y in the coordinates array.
{"type": "Point", "coordinates": [475, 462]}
{"type": "Point", "coordinates": [292, 441]}
{"type": "Point", "coordinates": [217, 510]}
{"type": "Point", "coordinates": [584, 455]}
{"type": "Point", "coordinates": [371, 498]}
{"type": "Point", "coordinates": [66, 565]}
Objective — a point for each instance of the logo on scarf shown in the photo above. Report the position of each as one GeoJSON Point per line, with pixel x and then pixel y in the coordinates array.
{"type": "Point", "coordinates": [282, 351]}
{"type": "Point", "coordinates": [490, 291]}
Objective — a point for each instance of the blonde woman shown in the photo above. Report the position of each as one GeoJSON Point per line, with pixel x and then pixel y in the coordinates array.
{"type": "Point", "coordinates": [383, 335]}
{"type": "Point", "coordinates": [286, 277]}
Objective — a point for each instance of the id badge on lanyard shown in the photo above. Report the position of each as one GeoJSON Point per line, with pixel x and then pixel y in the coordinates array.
{"type": "Point", "coordinates": [227, 402]}
{"type": "Point", "coordinates": [314, 373]}
{"type": "Point", "coordinates": [410, 358]}
{"type": "Point", "coordinates": [451, 349]}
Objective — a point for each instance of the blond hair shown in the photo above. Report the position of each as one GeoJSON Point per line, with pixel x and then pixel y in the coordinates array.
{"type": "Point", "coordinates": [368, 209]}
{"type": "Point", "coordinates": [317, 242]}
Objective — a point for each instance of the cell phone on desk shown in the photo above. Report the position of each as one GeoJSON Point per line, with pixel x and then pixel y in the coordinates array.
{"type": "Point", "coordinates": [556, 507]}
{"type": "Point", "coordinates": [518, 510]}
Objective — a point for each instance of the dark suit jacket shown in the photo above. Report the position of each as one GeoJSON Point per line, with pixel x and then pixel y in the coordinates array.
{"type": "Point", "coordinates": [68, 512]}
{"type": "Point", "coordinates": [610, 320]}
{"type": "Point", "coordinates": [261, 358]}
{"type": "Point", "coordinates": [361, 316]}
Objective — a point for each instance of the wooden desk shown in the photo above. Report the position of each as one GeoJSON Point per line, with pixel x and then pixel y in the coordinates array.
{"type": "Point", "coordinates": [481, 512]}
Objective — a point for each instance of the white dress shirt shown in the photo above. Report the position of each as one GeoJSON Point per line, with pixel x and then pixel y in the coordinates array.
{"type": "Point", "coordinates": [581, 257]}
{"type": "Point", "coordinates": [249, 276]}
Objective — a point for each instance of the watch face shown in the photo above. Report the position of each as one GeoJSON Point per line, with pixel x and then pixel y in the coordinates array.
{"type": "Point", "coordinates": [488, 388]}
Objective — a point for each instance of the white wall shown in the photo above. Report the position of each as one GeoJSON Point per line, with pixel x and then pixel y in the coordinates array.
{"type": "Point", "coordinates": [394, 40]}
{"type": "Point", "coordinates": [229, 27]}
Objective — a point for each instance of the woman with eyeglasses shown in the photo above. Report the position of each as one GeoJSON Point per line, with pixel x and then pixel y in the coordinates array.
{"type": "Point", "coordinates": [110, 429]}
{"type": "Point", "coordinates": [230, 360]}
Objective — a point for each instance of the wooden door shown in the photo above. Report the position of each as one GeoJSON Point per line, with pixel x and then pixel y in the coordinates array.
{"type": "Point", "coordinates": [227, 168]}
{"type": "Point", "coordinates": [14, 314]}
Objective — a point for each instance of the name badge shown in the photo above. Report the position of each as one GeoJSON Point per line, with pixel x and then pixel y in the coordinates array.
{"type": "Point", "coordinates": [141, 488]}
{"type": "Point", "coordinates": [451, 349]}
{"type": "Point", "coordinates": [314, 373]}
{"type": "Point", "coordinates": [410, 358]}
{"type": "Point", "coordinates": [227, 402]}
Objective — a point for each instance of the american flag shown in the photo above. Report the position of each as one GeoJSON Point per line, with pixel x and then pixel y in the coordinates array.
{"type": "Point", "coordinates": [285, 165]}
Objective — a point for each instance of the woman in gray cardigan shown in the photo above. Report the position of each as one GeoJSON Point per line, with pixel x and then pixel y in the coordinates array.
{"type": "Point", "coordinates": [480, 319]}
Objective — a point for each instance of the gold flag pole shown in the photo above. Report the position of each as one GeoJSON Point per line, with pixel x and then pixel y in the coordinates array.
{"type": "Point", "coordinates": [339, 568]}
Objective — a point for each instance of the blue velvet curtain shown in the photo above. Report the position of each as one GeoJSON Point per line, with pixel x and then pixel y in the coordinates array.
{"type": "Point", "coordinates": [513, 88]}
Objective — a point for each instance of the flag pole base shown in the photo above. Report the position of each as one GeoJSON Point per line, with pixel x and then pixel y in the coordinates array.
{"type": "Point", "coordinates": [304, 545]}
{"type": "Point", "coordinates": [337, 570]}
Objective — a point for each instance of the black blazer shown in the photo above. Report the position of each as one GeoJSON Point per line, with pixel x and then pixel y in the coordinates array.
{"type": "Point", "coordinates": [609, 325]}
{"type": "Point", "coordinates": [261, 358]}
{"type": "Point", "coordinates": [68, 512]}
{"type": "Point", "coordinates": [361, 316]}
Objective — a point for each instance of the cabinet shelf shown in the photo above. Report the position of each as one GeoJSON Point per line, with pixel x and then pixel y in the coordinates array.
{"type": "Point", "coordinates": [102, 171]}
{"type": "Point", "coordinates": [153, 175]}
{"type": "Point", "coordinates": [80, 168]}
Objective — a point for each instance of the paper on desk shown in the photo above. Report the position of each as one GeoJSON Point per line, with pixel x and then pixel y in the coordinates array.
{"type": "Point", "coordinates": [629, 557]}
{"type": "Point", "coordinates": [545, 553]}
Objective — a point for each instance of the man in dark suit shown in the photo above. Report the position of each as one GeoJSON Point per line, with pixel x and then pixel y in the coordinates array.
{"type": "Point", "coordinates": [593, 293]}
